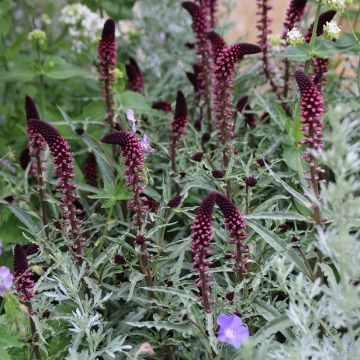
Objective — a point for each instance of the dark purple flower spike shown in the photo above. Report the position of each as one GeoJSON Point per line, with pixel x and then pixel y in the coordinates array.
{"type": "Point", "coordinates": [264, 27]}
{"type": "Point", "coordinates": [90, 170]}
{"type": "Point", "coordinates": [22, 275]}
{"type": "Point", "coordinates": [202, 74]}
{"type": "Point", "coordinates": [224, 71]}
{"type": "Point", "coordinates": [60, 150]}
{"type": "Point", "coordinates": [134, 167]}
{"type": "Point", "coordinates": [293, 16]}
{"type": "Point", "coordinates": [202, 237]}
{"type": "Point", "coordinates": [320, 66]}
{"type": "Point", "coordinates": [311, 111]}
{"type": "Point", "coordinates": [162, 105]}
{"type": "Point", "coordinates": [134, 75]}
{"type": "Point", "coordinates": [106, 66]}
{"type": "Point", "coordinates": [178, 126]}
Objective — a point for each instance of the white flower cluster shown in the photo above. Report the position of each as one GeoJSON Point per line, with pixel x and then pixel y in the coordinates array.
{"type": "Point", "coordinates": [84, 25]}
{"type": "Point", "coordinates": [294, 37]}
{"type": "Point", "coordinates": [332, 30]}
{"type": "Point", "coordinates": [336, 4]}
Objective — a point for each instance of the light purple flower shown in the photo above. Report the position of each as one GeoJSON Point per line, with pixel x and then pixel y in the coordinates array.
{"type": "Point", "coordinates": [145, 144]}
{"type": "Point", "coordinates": [232, 330]}
{"type": "Point", "coordinates": [162, 36]}
{"type": "Point", "coordinates": [6, 279]}
{"type": "Point", "coordinates": [131, 118]}
{"type": "Point", "coordinates": [6, 163]}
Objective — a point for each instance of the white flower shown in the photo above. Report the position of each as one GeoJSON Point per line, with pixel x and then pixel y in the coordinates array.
{"type": "Point", "coordinates": [336, 4]}
{"type": "Point", "coordinates": [332, 30]}
{"type": "Point", "coordinates": [84, 25]}
{"type": "Point", "coordinates": [295, 37]}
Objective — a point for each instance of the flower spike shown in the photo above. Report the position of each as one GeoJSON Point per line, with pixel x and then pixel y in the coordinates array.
{"type": "Point", "coordinates": [106, 66]}
{"type": "Point", "coordinates": [294, 14]}
{"type": "Point", "coordinates": [311, 111]}
{"type": "Point", "coordinates": [202, 236]}
{"type": "Point", "coordinates": [134, 167]}
{"type": "Point", "coordinates": [22, 274]}
{"type": "Point", "coordinates": [60, 150]}
{"type": "Point", "coordinates": [135, 78]}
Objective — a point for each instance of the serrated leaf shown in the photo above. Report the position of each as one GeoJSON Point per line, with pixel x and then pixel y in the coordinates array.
{"type": "Point", "coordinates": [278, 244]}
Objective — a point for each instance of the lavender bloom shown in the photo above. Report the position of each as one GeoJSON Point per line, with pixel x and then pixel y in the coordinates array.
{"type": "Point", "coordinates": [232, 330]}
{"type": "Point", "coordinates": [131, 118]}
{"type": "Point", "coordinates": [6, 279]}
{"type": "Point", "coordinates": [145, 144]}
{"type": "Point", "coordinates": [6, 163]}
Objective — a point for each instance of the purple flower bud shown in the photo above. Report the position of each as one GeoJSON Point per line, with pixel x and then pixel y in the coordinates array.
{"type": "Point", "coordinates": [250, 181]}
{"type": "Point", "coordinates": [218, 174]}
{"type": "Point", "coordinates": [198, 157]}
{"type": "Point", "coordinates": [174, 201]}
{"type": "Point", "coordinates": [119, 259]}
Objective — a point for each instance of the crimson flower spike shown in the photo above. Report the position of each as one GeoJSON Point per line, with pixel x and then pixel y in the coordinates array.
{"type": "Point", "coordinates": [60, 150]}
{"type": "Point", "coordinates": [106, 66]}
{"type": "Point", "coordinates": [293, 16]}
{"type": "Point", "coordinates": [320, 66]}
{"type": "Point", "coordinates": [134, 75]}
{"type": "Point", "coordinates": [311, 111]}
{"type": "Point", "coordinates": [134, 167]}
{"type": "Point", "coordinates": [224, 72]}
{"type": "Point", "coordinates": [22, 275]}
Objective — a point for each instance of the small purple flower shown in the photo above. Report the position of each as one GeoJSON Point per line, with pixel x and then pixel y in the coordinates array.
{"type": "Point", "coordinates": [145, 144]}
{"type": "Point", "coordinates": [232, 330]}
{"type": "Point", "coordinates": [131, 118]}
{"type": "Point", "coordinates": [6, 279]}
{"type": "Point", "coordinates": [6, 163]}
